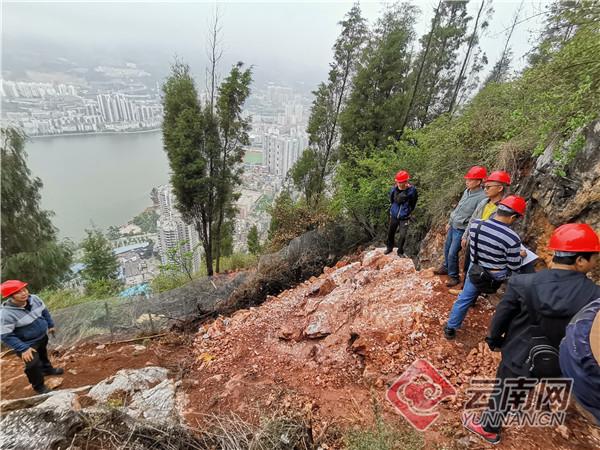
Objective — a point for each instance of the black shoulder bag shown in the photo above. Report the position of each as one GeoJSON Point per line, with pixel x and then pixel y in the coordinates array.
{"type": "Point", "coordinates": [479, 276]}
{"type": "Point", "coordinates": [543, 359]}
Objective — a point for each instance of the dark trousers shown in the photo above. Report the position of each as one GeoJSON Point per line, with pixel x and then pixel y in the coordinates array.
{"type": "Point", "coordinates": [494, 406]}
{"type": "Point", "coordinates": [402, 226]}
{"type": "Point", "coordinates": [40, 363]}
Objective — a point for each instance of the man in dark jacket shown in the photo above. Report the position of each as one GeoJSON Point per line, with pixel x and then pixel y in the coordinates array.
{"type": "Point", "coordinates": [555, 295]}
{"type": "Point", "coordinates": [24, 326]}
{"type": "Point", "coordinates": [403, 199]}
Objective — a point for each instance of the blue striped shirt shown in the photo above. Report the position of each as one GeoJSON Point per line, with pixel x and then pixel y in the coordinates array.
{"type": "Point", "coordinates": [498, 248]}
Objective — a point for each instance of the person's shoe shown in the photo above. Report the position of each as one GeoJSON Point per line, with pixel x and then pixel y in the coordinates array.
{"type": "Point", "coordinates": [388, 251]}
{"type": "Point", "coordinates": [492, 438]}
{"type": "Point", "coordinates": [454, 291]}
{"type": "Point", "coordinates": [452, 282]}
{"type": "Point", "coordinates": [441, 271]}
{"type": "Point", "coordinates": [43, 390]}
{"type": "Point", "coordinates": [402, 254]}
{"type": "Point", "coordinates": [449, 333]}
{"type": "Point", "coordinates": [53, 371]}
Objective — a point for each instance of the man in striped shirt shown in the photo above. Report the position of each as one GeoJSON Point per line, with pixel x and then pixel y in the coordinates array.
{"type": "Point", "coordinates": [496, 248]}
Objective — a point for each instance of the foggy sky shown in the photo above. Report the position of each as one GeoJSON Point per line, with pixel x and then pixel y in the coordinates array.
{"type": "Point", "coordinates": [285, 41]}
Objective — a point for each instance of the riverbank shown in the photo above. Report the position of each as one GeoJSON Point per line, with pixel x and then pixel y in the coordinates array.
{"type": "Point", "coordinates": [95, 133]}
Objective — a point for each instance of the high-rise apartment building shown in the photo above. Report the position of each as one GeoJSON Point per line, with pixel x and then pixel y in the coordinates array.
{"type": "Point", "coordinates": [172, 229]}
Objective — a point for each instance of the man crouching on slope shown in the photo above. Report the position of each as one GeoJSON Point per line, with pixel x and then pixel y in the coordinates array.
{"type": "Point", "coordinates": [24, 326]}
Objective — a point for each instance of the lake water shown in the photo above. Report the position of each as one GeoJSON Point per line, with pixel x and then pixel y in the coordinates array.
{"type": "Point", "coordinates": [101, 180]}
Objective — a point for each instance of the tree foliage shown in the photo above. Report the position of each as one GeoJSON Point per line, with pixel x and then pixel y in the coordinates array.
{"type": "Point", "coordinates": [316, 164]}
{"type": "Point", "coordinates": [204, 149]}
{"type": "Point", "coordinates": [379, 101]}
{"type": "Point", "coordinates": [438, 61]}
{"type": "Point", "coordinates": [30, 249]}
{"type": "Point", "coordinates": [253, 241]}
{"type": "Point", "coordinates": [506, 123]}
{"type": "Point", "coordinates": [100, 274]}
{"type": "Point", "coordinates": [147, 221]}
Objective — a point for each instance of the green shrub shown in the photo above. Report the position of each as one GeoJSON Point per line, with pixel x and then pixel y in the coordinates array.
{"type": "Point", "coordinates": [167, 281]}
{"type": "Point", "coordinates": [63, 298]}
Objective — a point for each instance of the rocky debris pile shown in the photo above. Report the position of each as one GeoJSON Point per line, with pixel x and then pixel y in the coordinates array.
{"type": "Point", "coordinates": [50, 420]}
{"type": "Point", "coordinates": [361, 322]}
{"type": "Point", "coordinates": [335, 343]}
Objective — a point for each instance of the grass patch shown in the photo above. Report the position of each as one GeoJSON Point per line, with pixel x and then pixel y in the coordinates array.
{"type": "Point", "coordinates": [63, 298]}
{"type": "Point", "coordinates": [383, 436]}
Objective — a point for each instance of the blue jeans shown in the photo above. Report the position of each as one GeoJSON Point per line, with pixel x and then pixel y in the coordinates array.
{"type": "Point", "coordinates": [462, 304]}
{"type": "Point", "coordinates": [465, 299]}
{"type": "Point", "coordinates": [451, 250]}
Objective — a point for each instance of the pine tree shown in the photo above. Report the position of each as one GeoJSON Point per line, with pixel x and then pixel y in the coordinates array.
{"type": "Point", "coordinates": [233, 131]}
{"type": "Point", "coordinates": [253, 241]}
{"type": "Point", "coordinates": [315, 166]}
{"type": "Point", "coordinates": [100, 274]}
{"type": "Point", "coordinates": [439, 59]}
{"type": "Point", "coordinates": [380, 98]}
{"type": "Point", "coordinates": [30, 250]}
{"type": "Point", "coordinates": [205, 149]}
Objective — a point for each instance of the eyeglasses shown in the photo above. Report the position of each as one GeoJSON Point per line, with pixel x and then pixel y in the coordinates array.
{"type": "Point", "coordinates": [489, 186]}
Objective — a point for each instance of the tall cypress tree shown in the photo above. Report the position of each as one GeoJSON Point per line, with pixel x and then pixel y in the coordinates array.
{"type": "Point", "coordinates": [380, 98]}
{"type": "Point", "coordinates": [316, 165]}
{"type": "Point", "coordinates": [205, 149]}
{"type": "Point", "coordinates": [439, 59]}
{"type": "Point", "coordinates": [30, 249]}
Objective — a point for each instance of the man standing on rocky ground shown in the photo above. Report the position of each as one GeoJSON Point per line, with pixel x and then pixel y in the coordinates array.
{"type": "Point", "coordinates": [495, 187]}
{"type": "Point", "coordinates": [24, 326]}
{"type": "Point", "coordinates": [459, 219]}
{"type": "Point", "coordinates": [533, 316]}
{"type": "Point", "coordinates": [495, 250]}
{"type": "Point", "coordinates": [403, 199]}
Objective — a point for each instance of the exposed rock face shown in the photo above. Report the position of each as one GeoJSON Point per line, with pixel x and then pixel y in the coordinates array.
{"type": "Point", "coordinates": [44, 426]}
{"type": "Point", "coordinates": [366, 319]}
{"type": "Point", "coordinates": [552, 199]}
{"type": "Point", "coordinates": [303, 257]}
{"type": "Point", "coordinates": [145, 394]}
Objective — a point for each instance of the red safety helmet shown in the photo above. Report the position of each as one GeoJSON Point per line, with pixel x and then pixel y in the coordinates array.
{"type": "Point", "coordinates": [402, 176]}
{"type": "Point", "coordinates": [516, 203]}
{"type": "Point", "coordinates": [575, 237]}
{"type": "Point", "coordinates": [476, 173]}
{"type": "Point", "coordinates": [500, 176]}
{"type": "Point", "coordinates": [10, 287]}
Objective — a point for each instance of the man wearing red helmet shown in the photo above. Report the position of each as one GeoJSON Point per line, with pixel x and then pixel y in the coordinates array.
{"type": "Point", "coordinates": [495, 187]}
{"type": "Point", "coordinates": [459, 219]}
{"type": "Point", "coordinates": [534, 314]}
{"type": "Point", "coordinates": [24, 326]}
{"type": "Point", "coordinates": [496, 250]}
{"type": "Point", "coordinates": [403, 199]}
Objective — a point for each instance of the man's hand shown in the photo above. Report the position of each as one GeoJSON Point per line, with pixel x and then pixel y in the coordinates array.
{"type": "Point", "coordinates": [447, 227]}
{"type": "Point", "coordinates": [523, 253]}
{"type": "Point", "coordinates": [28, 355]}
{"type": "Point", "coordinates": [463, 243]}
{"type": "Point", "coordinates": [52, 331]}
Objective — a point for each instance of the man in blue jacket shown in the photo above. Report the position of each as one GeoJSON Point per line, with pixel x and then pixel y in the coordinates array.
{"type": "Point", "coordinates": [24, 326]}
{"type": "Point", "coordinates": [403, 199]}
{"type": "Point", "coordinates": [580, 359]}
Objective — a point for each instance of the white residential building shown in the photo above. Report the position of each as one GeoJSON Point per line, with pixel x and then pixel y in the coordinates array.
{"type": "Point", "coordinates": [172, 229]}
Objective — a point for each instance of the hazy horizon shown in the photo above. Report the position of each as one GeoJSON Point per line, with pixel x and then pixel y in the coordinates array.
{"type": "Point", "coordinates": [286, 42]}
